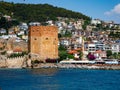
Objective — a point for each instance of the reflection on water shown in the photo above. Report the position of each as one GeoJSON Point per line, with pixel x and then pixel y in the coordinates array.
{"type": "Point", "coordinates": [45, 71]}
{"type": "Point", "coordinates": [46, 78]}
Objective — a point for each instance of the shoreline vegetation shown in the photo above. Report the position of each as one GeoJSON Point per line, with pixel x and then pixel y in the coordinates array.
{"type": "Point", "coordinates": [77, 66]}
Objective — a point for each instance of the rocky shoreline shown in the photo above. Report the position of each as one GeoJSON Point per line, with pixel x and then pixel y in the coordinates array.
{"type": "Point", "coordinates": [77, 66]}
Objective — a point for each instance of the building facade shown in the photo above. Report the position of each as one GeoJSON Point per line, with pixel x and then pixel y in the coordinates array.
{"type": "Point", "coordinates": [43, 42]}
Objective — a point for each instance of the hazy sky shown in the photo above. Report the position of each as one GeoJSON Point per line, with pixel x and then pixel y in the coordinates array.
{"type": "Point", "coordinates": [103, 9]}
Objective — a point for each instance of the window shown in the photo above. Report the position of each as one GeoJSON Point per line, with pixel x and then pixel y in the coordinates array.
{"type": "Point", "coordinates": [46, 38]}
{"type": "Point", "coordinates": [35, 38]}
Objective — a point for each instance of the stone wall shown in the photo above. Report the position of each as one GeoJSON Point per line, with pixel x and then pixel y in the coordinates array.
{"type": "Point", "coordinates": [3, 64]}
{"type": "Point", "coordinates": [18, 62]}
{"type": "Point", "coordinates": [15, 62]}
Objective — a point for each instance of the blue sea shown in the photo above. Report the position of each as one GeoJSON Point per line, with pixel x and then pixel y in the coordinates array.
{"type": "Point", "coordinates": [59, 79]}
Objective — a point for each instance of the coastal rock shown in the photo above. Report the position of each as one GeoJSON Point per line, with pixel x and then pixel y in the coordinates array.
{"type": "Point", "coordinates": [29, 63]}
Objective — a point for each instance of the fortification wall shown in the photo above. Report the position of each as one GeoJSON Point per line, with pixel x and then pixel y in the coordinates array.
{"type": "Point", "coordinates": [17, 62]}
{"type": "Point", "coordinates": [3, 63]}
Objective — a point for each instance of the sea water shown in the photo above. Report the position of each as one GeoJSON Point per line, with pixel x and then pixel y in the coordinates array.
{"type": "Point", "coordinates": [59, 79]}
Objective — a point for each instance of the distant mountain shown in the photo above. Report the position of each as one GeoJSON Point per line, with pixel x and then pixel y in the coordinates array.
{"type": "Point", "coordinates": [37, 12]}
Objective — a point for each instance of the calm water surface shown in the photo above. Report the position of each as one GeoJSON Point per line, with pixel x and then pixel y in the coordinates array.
{"type": "Point", "coordinates": [59, 79]}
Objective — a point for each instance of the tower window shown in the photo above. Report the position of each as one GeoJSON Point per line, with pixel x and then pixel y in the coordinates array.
{"type": "Point", "coordinates": [46, 38]}
{"type": "Point", "coordinates": [35, 38]}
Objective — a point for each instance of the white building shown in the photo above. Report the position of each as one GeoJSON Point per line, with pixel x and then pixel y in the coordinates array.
{"type": "Point", "coordinates": [34, 23]}
{"type": "Point", "coordinates": [115, 48]}
{"type": "Point", "coordinates": [91, 47]}
{"type": "Point", "coordinates": [3, 31]}
{"type": "Point", "coordinates": [23, 26]}
{"type": "Point", "coordinates": [65, 42]}
{"type": "Point", "coordinates": [95, 21]}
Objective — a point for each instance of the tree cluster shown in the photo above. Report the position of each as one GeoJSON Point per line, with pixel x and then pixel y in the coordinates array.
{"type": "Point", "coordinates": [38, 12]}
{"type": "Point", "coordinates": [113, 55]}
{"type": "Point", "coordinates": [114, 35]}
{"type": "Point", "coordinates": [4, 23]}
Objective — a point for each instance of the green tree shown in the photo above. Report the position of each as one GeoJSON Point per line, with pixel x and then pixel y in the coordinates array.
{"type": "Point", "coordinates": [80, 54]}
{"type": "Point", "coordinates": [115, 55]}
{"type": "Point", "coordinates": [109, 53]}
{"type": "Point", "coordinates": [62, 48]}
{"type": "Point", "coordinates": [86, 22]}
{"type": "Point", "coordinates": [59, 35]}
{"type": "Point", "coordinates": [118, 56]}
{"type": "Point", "coordinates": [67, 34]}
{"type": "Point", "coordinates": [62, 52]}
{"type": "Point", "coordinates": [70, 56]}
{"type": "Point", "coordinates": [63, 55]}
{"type": "Point", "coordinates": [3, 22]}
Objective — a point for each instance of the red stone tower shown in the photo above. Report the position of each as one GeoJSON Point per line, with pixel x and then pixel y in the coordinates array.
{"type": "Point", "coordinates": [43, 41]}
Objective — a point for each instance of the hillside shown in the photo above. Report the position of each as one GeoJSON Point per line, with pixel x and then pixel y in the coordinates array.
{"type": "Point", "coordinates": [37, 12]}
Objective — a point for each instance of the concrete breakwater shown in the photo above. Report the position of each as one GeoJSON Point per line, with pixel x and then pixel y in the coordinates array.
{"type": "Point", "coordinates": [92, 66]}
